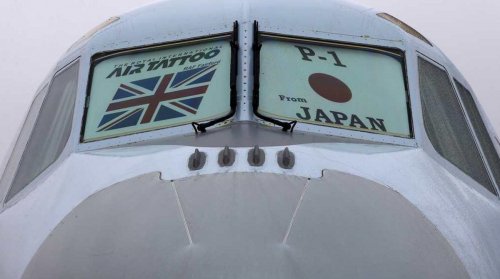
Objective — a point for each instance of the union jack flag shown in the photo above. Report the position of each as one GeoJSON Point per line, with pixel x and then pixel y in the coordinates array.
{"type": "Point", "coordinates": [157, 98]}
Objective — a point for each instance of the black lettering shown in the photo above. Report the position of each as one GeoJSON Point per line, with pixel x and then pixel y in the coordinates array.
{"type": "Point", "coordinates": [211, 54]}
{"type": "Point", "coordinates": [137, 69]}
{"type": "Point", "coordinates": [127, 70]}
{"type": "Point", "coordinates": [306, 52]}
{"type": "Point", "coordinates": [356, 121]}
{"type": "Point", "coordinates": [339, 117]}
{"type": "Point", "coordinates": [320, 114]}
{"type": "Point", "coordinates": [152, 64]}
{"type": "Point", "coordinates": [337, 59]}
{"type": "Point", "coordinates": [307, 115]}
{"type": "Point", "coordinates": [173, 60]}
{"type": "Point", "coordinates": [184, 59]}
{"type": "Point", "coordinates": [377, 122]}
{"type": "Point", "coordinates": [116, 72]}
{"type": "Point", "coordinates": [292, 99]}
{"type": "Point", "coordinates": [197, 57]}
{"type": "Point", "coordinates": [163, 64]}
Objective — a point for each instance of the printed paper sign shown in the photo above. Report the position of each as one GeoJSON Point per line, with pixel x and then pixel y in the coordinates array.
{"type": "Point", "coordinates": [350, 88]}
{"type": "Point", "coordinates": [150, 90]}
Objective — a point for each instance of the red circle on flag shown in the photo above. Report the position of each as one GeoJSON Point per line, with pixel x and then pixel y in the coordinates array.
{"type": "Point", "coordinates": [330, 88]}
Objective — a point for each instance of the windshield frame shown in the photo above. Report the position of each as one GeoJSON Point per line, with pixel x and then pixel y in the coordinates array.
{"type": "Point", "coordinates": [398, 53]}
{"type": "Point", "coordinates": [174, 130]}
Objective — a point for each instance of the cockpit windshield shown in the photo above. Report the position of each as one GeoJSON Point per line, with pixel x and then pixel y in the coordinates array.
{"type": "Point", "coordinates": [159, 87]}
{"type": "Point", "coordinates": [334, 85]}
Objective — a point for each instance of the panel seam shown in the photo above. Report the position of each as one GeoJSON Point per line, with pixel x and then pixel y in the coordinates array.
{"type": "Point", "coordinates": [292, 221]}
{"type": "Point", "coordinates": [183, 216]}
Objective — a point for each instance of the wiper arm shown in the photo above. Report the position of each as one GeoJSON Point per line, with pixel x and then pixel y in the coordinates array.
{"type": "Point", "coordinates": [202, 127]}
{"type": "Point", "coordinates": [257, 45]}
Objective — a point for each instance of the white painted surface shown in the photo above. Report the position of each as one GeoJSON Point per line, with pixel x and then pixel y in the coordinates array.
{"type": "Point", "coordinates": [466, 217]}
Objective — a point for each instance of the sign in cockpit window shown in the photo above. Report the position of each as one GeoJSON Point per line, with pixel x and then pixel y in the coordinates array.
{"type": "Point", "coordinates": [154, 89]}
{"type": "Point", "coordinates": [333, 85]}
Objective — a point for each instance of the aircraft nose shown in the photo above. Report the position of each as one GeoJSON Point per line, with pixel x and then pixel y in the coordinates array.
{"type": "Point", "coordinates": [246, 225]}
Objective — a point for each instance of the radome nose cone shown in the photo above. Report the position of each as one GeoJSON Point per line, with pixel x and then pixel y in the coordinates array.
{"type": "Point", "coordinates": [246, 225]}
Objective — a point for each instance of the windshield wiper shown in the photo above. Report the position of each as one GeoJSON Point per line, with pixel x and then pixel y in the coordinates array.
{"type": "Point", "coordinates": [257, 45]}
{"type": "Point", "coordinates": [202, 127]}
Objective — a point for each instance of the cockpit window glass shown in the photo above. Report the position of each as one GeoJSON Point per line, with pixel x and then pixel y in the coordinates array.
{"type": "Point", "coordinates": [22, 139]}
{"type": "Point", "coordinates": [482, 134]}
{"type": "Point", "coordinates": [334, 85]}
{"type": "Point", "coordinates": [446, 125]}
{"type": "Point", "coordinates": [157, 88]}
{"type": "Point", "coordinates": [51, 131]}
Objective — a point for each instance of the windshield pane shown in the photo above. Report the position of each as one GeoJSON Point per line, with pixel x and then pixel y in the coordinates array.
{"type": "Point", "coordinates": [332, 85]}
{"type": "Point", "coordinates": [51, 131]}
{"type": "Point", "coordinates": [155, 89]}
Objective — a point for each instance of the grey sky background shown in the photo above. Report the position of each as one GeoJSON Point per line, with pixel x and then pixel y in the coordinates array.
{"type": "Point", "coordinates": [36, 33]}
